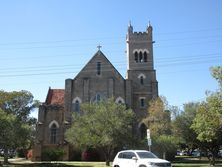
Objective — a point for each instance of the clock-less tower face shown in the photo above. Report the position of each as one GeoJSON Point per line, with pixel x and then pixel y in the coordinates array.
{"type": "Point", "coordinates": [139, 49]}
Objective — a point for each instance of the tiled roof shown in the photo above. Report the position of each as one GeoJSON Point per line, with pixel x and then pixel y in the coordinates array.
{"type": "Point", "coordinates": [55, 96]}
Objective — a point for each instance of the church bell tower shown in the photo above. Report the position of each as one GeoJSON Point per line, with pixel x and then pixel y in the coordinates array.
{"type": "Point", "coordinates": [140, 67]}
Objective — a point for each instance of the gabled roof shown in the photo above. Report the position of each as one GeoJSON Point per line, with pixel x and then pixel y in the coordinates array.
{"type": "Point", "coordinates": [55, 96]}
{"type": "Point", "coordinates": [97, 54]}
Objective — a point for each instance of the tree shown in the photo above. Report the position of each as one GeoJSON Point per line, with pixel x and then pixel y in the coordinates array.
{"type": "Point", "coordinates": [208, 122]}
{"type": "Point", "coordinates": [6, 126]}
{"type": "Point", "coordinates": [165, 144]}
{"type": "Point", "coordinates": [158, 120]}
{"type": "Point", "coordinates": [105, 125]}
{"type": "Point", "coordinates": [182, 127]}
{"type": "Point", "coordinates": [16, 124]}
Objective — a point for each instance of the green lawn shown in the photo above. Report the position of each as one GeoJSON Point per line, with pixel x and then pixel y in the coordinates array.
{"type": "Point", "coordinates": [194, 162]}
{"type": "Point", "coordinates": [178, 163]}
{"type": "Point", "coordinates": [194, 165]}
{"type": "Point", "coordinates": [56, 164]}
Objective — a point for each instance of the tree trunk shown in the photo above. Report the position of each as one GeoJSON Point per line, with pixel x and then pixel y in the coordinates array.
{"type": "Point", "coordinates": [212, 159]}
{"type": "Point", "coordinates": [107, 157]}
{"type": "Point", "coordinates": [6, 156]}
{"type": "Point", "coordinates": [107, 163]}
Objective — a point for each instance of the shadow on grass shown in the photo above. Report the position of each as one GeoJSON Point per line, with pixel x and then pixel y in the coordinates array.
{"type": "Point", "coordinates": [42, 165]}
{"type": "Point", "coordinates": [196, 160]}
{"type": "Point", "coordinates": [191, 160]}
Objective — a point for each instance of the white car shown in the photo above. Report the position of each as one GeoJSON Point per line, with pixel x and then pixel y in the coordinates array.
{"type": "Point", "coordinates": [138, 158]}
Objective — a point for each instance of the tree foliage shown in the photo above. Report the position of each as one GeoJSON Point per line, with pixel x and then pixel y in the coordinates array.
{"type": "Point", "coordinates": [165, 145]}
{"type": "Point", "coordinates": [208, 122]}
{"type": "Point", "coordinates": [158, 120]}
{"type": "Point", "coordinates": [182, 127]}
{"type": "Point", "coordinates": [6, 126]}
{"type": "Point", "coordinates": [216, 72]}
{"type": "Point", "coordinates": [105, 125]}
{"type": "Point", "coordinates": [16, 124]}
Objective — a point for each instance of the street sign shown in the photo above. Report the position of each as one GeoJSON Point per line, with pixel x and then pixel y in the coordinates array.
{"type": "Point", "coordinates": [148, 133]}
{"type": "Point", "coordinates": [149, 142]}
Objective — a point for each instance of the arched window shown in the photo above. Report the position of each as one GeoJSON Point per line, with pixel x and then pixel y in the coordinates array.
{"type": "Point", "coordinates": [142, 102]}
{"type": "Point", "coordinates": [77, 106]}
{"type": "Point", "coordinates": [136, 56]}
{"type": "Point", "coordinates": [145, 56]}
{"type": "Point", "coordinates": [98, 68]}
{"type": "Point", "coordinates": [120, 100]}
{"type": "Point", "coordinates": [143, 131]}
{"type": "Point", "coordinates": [53, 133]}
{"type": "Point", "coordinates": [98, 98]}
{"type": "Point", "coordinates": [141, 80]}
{"type": "Point", "coordinates": [140, 57]}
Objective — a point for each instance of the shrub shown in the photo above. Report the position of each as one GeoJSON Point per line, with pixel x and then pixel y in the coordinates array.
{"type": "Point", "coordinates": [90, 154]}
{"type": "Point", "coordinates": [21, 152]}
{"type": "Point", "coordinates": [53, 154]}
{"type": "Point", "coordinates": [165, 146]}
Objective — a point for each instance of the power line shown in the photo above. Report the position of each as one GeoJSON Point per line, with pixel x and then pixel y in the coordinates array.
{"type": "Point", "coordinates": [89, 70]}
{"type": "Point", "coordinates": [188, 38]}
{"type": "Point", "coordinates": [187, 44]}
{"type": "Point", "coordinates": [190, 31]}
{"type": "Point", "coordinates": [157, 60]}
{"type": "Point", "coordinates": [112, 43]}
{"type": "Point", "coordinates": [62, 81]}
{"type": "Point", "coordinates": [59, 41]}
{"type": "Point", "coordinates": [53, 56]}
{"type": "Point", "coordinates": [103, 38]}
{"type": "Point", "coordinates": [107, 37]}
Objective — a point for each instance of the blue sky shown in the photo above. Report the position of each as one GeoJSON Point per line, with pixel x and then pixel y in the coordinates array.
{"type": "Point", "coordinates": [44, 42]}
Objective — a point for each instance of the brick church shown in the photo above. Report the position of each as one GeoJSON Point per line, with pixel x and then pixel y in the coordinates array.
{"type": "Point", "coordinates": [99, 80]}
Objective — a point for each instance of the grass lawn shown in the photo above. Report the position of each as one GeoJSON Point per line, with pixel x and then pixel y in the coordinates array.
{"type": "Point", "coordinates": [27, 163]}
{"type": "Point", "coordinates": [180, 162]}
{"type": "Point", "coordinates": [194, 162]}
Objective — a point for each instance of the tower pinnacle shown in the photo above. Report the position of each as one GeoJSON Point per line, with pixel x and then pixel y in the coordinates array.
{"type": "Point", "coordinates": [130, 28]}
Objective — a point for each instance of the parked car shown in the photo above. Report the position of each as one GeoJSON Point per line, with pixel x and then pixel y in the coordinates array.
{"type": "Point", "coordinates": [182, 153]}
{"type": "Point", "coordinates": [196, 153]}
{"type": "Point", "coordinates": [138, 158]}
{"type": "Point", "coordinates": [219, 154]}
{"type": "Point", "coordinates": [11, 153]}
{"type": "Point", "coordinates": [1, 152]}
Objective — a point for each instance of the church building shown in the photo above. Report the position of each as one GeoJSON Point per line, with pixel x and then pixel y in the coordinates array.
{"type": "Point", "coordinates": [99, 80]}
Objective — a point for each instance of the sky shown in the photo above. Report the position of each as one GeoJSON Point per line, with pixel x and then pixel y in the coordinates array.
{"type": "Point", "coordinates": [44, 42]}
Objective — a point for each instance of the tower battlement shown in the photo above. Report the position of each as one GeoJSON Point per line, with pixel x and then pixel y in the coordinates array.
{"type": "Point", "coordinates": [145, 35]}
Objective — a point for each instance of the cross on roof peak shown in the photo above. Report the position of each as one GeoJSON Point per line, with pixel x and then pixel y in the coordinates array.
{"type": "Point", "coordinates": [99, 47]}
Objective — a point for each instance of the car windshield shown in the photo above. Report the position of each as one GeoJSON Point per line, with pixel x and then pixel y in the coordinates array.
{"type": "Point", "coordinates": [143, 154]}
